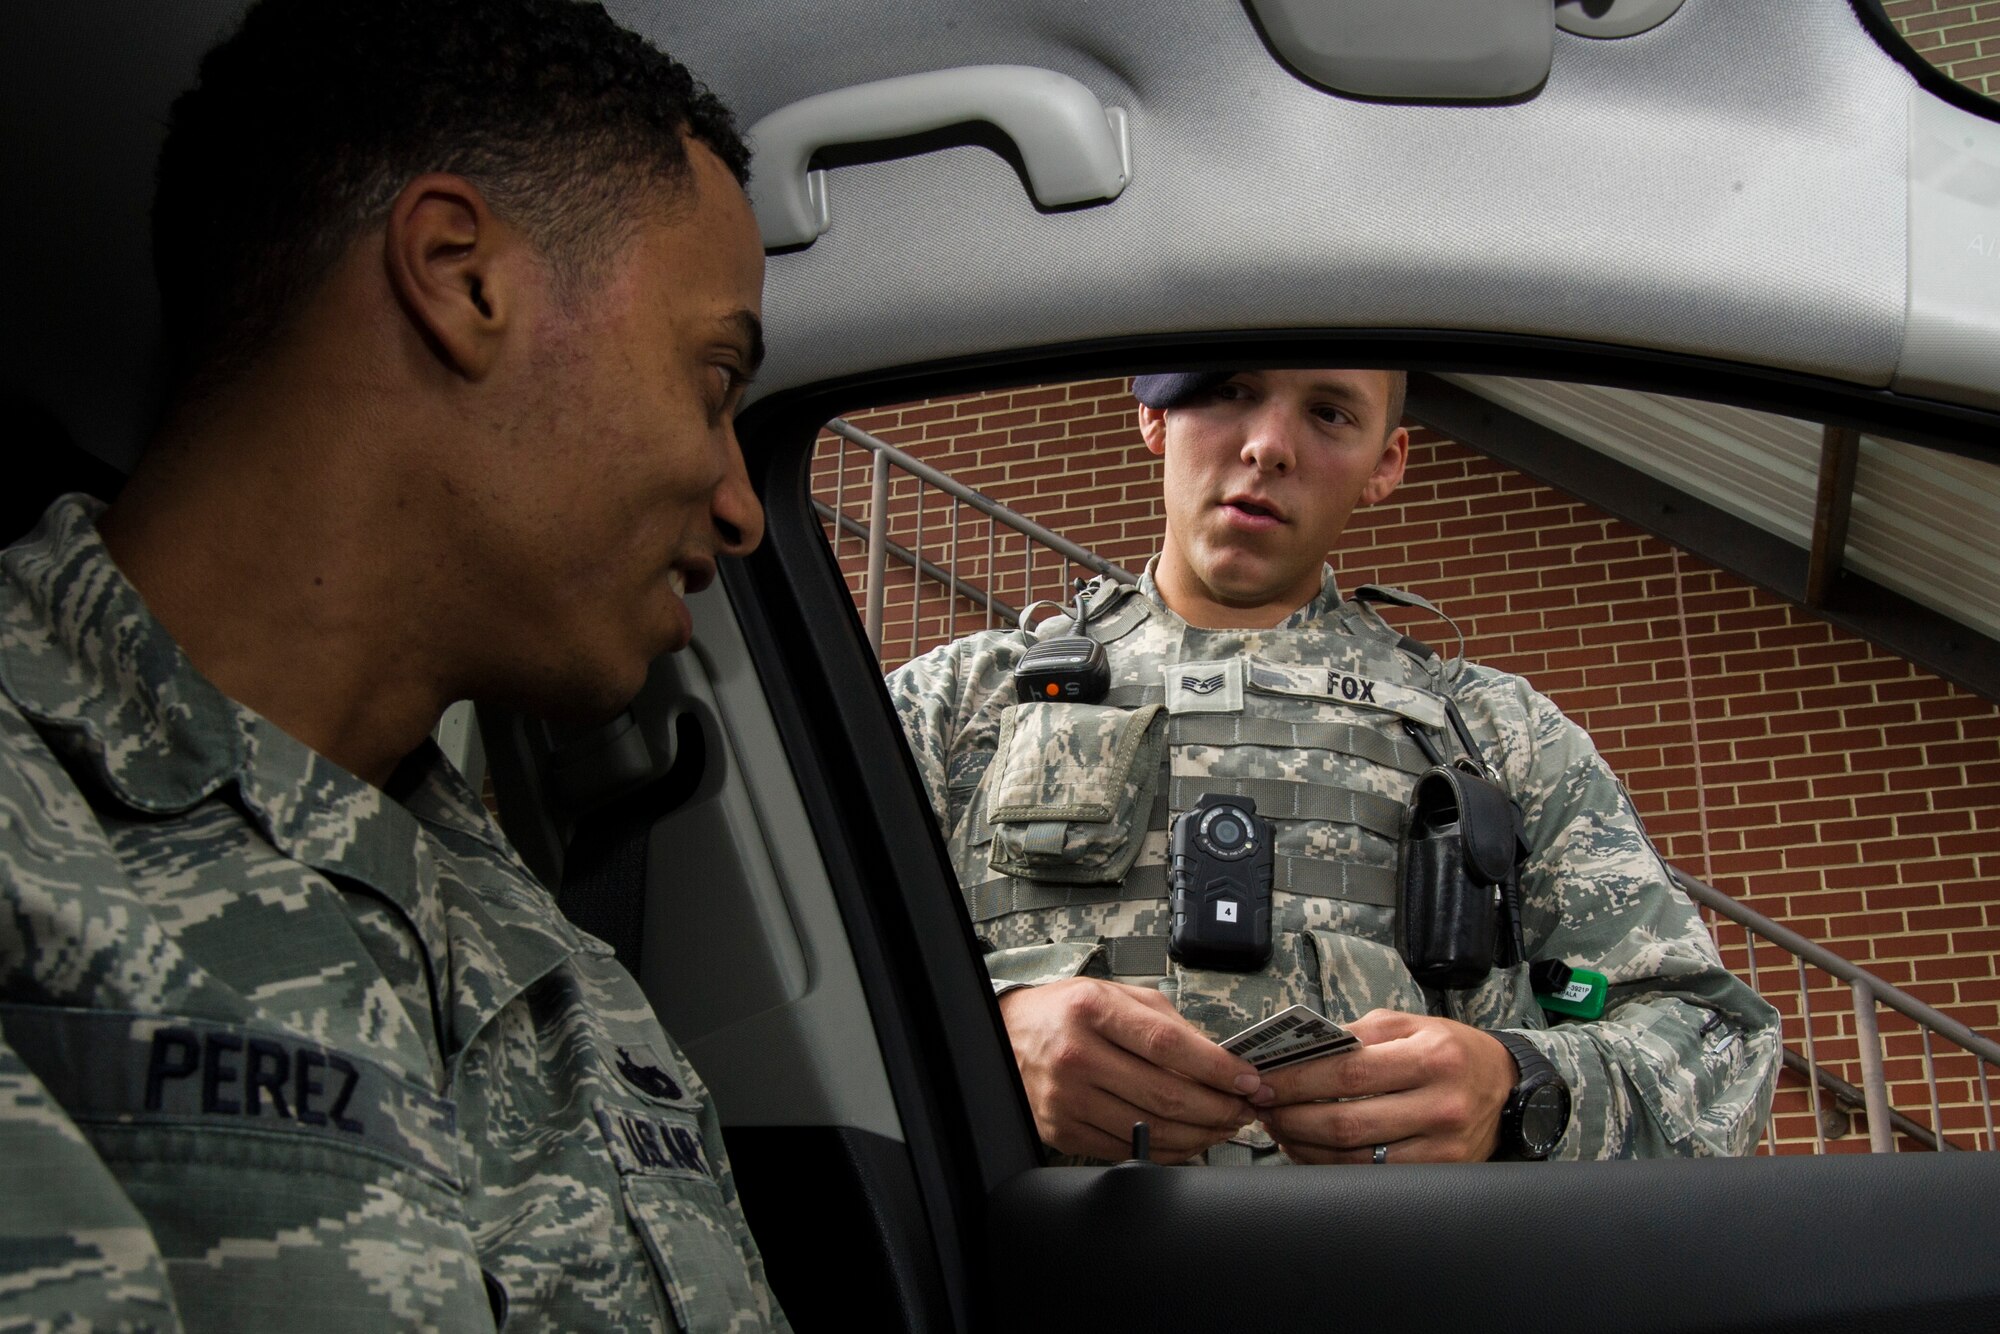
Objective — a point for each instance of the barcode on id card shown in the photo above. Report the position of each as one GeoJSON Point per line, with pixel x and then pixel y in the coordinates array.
{"type": "Point", "coordinates": [1300, 1033]}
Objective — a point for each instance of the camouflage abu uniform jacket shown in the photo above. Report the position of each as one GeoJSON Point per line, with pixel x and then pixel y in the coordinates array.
{"type": "Point", "coordinates": [278, 1051]}
{"type": "Point", "coordinates": [1056, 816]}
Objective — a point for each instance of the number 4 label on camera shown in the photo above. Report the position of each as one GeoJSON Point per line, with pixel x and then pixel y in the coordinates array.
{"type": "Point", "coordinates": [1288, 1037]}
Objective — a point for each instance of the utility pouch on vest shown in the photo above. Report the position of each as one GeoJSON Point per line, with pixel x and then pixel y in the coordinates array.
{"type": "Point", "coordinates": [1457, 874]}
{"type": "Point", "coordinates": [1071, 790]}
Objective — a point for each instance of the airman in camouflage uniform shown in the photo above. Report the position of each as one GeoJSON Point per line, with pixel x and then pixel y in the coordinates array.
{"type": "Point", "coordinates": [1056, 817]}
{"type": "Point", "coordinates": [290, 1038]}
{"type": "Point", "coordinates": [281, 1050]}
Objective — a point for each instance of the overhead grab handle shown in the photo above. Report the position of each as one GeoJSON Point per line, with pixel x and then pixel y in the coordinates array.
{"type": "Point", "coordinates": [1074, 149]}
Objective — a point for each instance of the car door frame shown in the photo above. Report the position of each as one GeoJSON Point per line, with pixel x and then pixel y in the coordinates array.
{"type": "Point", "coordinates": [1013, 1243]}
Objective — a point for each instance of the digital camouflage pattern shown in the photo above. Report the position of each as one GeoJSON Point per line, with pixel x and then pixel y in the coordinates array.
{"type": "Point", "coordinates": [1310, 719]}
{"type": "Point", "coordinates": [280, 1050]}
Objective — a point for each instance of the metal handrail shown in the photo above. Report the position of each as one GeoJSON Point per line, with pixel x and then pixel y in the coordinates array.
{"type": "Point", "coordinates": [1846, 1094]}
{"type": "Point", "coordinates": [1824, 959]}
{"type": "Point", "coordinates": [991, 508]}
{"type": "Point", "coordinates": [1867, 991]}
{"type": "Point", "coordinates": [936, 573]}
{"type": "Point", "coordinates": [1866, 988]}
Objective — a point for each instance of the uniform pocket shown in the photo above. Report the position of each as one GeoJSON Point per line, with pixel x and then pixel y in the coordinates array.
{"type": "Point", "coordinates": [1669, 1082]}
{"type": "Point", "coordinates": [1357, 975]}
{"type": "Point", "coordinates": [277, 1175]}
{"type": "Point", "coordinates": [701, 1265]}
{"type": "Point", "coordinates": [1072, 785]}
{"type": "Point", "coordinates": [675, 1204]}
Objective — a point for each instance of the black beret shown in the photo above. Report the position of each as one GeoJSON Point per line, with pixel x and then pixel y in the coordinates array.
{"type": "Point", "coordinates": [1173, 391]}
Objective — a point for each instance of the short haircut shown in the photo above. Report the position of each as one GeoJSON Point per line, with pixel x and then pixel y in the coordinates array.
{"type": "Point", "coordinates": [308, 121]}
{"type": "Point", "coordinates": [1399, 393]}
{"type": "Point", "coordinates": [1171, 389]}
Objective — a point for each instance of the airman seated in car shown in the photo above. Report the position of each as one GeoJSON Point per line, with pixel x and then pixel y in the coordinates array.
{"type": "Point", "coordinates": [459, 299]}
{"type": "Point", "coordinates": [1227, 664]}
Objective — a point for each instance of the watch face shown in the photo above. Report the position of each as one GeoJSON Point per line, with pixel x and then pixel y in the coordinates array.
{"type": "Point", "coordinates": [1544, 1115]}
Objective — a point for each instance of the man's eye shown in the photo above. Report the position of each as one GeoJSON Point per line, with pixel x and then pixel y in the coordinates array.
{"type": "Point", "coordinates": [730, 382]}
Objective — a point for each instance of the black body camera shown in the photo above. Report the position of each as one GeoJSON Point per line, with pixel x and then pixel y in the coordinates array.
{"type": "Point", "coordinates": [1219, 885]}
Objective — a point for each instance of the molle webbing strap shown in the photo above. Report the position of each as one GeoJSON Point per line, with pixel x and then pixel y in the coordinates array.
{"type": "Point", "coordinates": [1312, 877]}
{"type": "Point", "coordinates": [1134, 696]}
{"type": "Point", "coordinates": [1318, 878]}
{"type": "Point", "coordinates": [1366, 743]}
{"type": "Point", "coordinates": [1279, 799]}
{"type": "Point", "coordinates": [1006, 894]}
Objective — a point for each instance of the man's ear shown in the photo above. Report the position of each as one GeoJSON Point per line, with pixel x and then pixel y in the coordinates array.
{"type": "Point", "coordinates": [451, 264]}
{"type": "Point", "coordinates": [1153, 427]}
{"type": "Point", "coordinates": [1388, 472]}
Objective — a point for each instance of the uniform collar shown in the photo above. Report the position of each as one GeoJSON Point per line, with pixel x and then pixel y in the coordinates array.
{"type": "Point", "coordinates": [1322, 604]}
{"type": "Point", "coordinates": [130, 716]}
{"type": "Point", "coordinates": [112, 692]}
{"type": "Point", "coordinates": [127, 712]}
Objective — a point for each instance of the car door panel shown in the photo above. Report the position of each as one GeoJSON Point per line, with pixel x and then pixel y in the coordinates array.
{"type": "Point", "coordinates": [1759, 1244]}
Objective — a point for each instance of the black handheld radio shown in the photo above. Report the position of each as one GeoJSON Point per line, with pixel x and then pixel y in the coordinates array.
{"type": "Point", "coordinates": [1068, 669]}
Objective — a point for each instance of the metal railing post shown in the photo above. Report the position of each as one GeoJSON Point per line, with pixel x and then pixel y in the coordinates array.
{"type": "Point", "coordinates": [1874, 1087]}
{"type": "Point", "coordinates": [917, 576]}
{"type": "Point", "coordinates": [1930, 1078]}
{"type": "Point", "coordinates": [951, 599]}
{"type": "Point", "coordinates": [878, 551]}
{"type": "Point", "coordinates": [1986, 1098]}
{"type": "Point", "coordinates": [1812, 1061]}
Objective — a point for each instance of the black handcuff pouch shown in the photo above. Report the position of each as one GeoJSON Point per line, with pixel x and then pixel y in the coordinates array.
{"type": "Point", "coordinates": [1458, 878]}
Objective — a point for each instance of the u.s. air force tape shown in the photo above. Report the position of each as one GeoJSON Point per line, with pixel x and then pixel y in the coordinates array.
{"type": "Point", "coordinates": [108, 1068]}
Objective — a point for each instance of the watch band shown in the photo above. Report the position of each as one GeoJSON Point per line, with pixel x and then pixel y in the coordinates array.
{"type": "Point", "coordinates": [1537, 1074]}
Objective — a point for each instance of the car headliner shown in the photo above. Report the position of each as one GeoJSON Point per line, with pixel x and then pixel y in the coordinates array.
{"type": "Point", "coordinates": [1734, 186]}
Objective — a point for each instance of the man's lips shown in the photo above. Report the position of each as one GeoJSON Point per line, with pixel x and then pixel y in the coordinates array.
{"type": "Point", "coordinates": [684, 579]}
{"type": "Point", "coordinates": [1252, 510]}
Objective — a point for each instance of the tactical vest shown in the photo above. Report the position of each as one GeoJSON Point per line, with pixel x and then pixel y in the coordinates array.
{"type": "Point", "coordinates": [1062, 848]}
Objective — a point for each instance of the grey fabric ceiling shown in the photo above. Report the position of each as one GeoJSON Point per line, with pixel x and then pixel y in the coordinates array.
{"type": "Point", "coordinates": [1732, 184]}
{"type": "Point", "coordinates": [1736, 184]}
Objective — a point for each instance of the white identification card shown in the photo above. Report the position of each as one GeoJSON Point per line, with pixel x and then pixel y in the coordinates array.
{"type": "Point", "coordinates": [1300, 1033]}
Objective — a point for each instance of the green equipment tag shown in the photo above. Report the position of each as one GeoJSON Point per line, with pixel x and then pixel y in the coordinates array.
{"type": "Point", "coordinates": [1582, 997]}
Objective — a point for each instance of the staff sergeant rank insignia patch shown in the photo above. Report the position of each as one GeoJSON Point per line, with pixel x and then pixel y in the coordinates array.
{"type": "Point", "coordinates": [1205, 687]}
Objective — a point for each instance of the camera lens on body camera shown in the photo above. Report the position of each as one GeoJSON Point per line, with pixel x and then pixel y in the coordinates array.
{"type": "Point", "coordinates": [1224, 833]}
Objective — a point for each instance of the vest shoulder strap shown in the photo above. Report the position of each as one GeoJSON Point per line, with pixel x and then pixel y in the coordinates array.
{"type": "Point", "coordinates": [1362, 616]}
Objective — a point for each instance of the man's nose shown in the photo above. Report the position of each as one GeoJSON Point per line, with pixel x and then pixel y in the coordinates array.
{"type": "Point", "coordinates": [738, 515]}
{"type": "Point", "coordinates": [1269, 447]}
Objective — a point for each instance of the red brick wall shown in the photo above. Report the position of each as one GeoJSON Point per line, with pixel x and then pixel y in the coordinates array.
{"type": "Point", "coordinates": [1824, 782]}
{"type": "Point", "coordinates": [1959, 37]}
